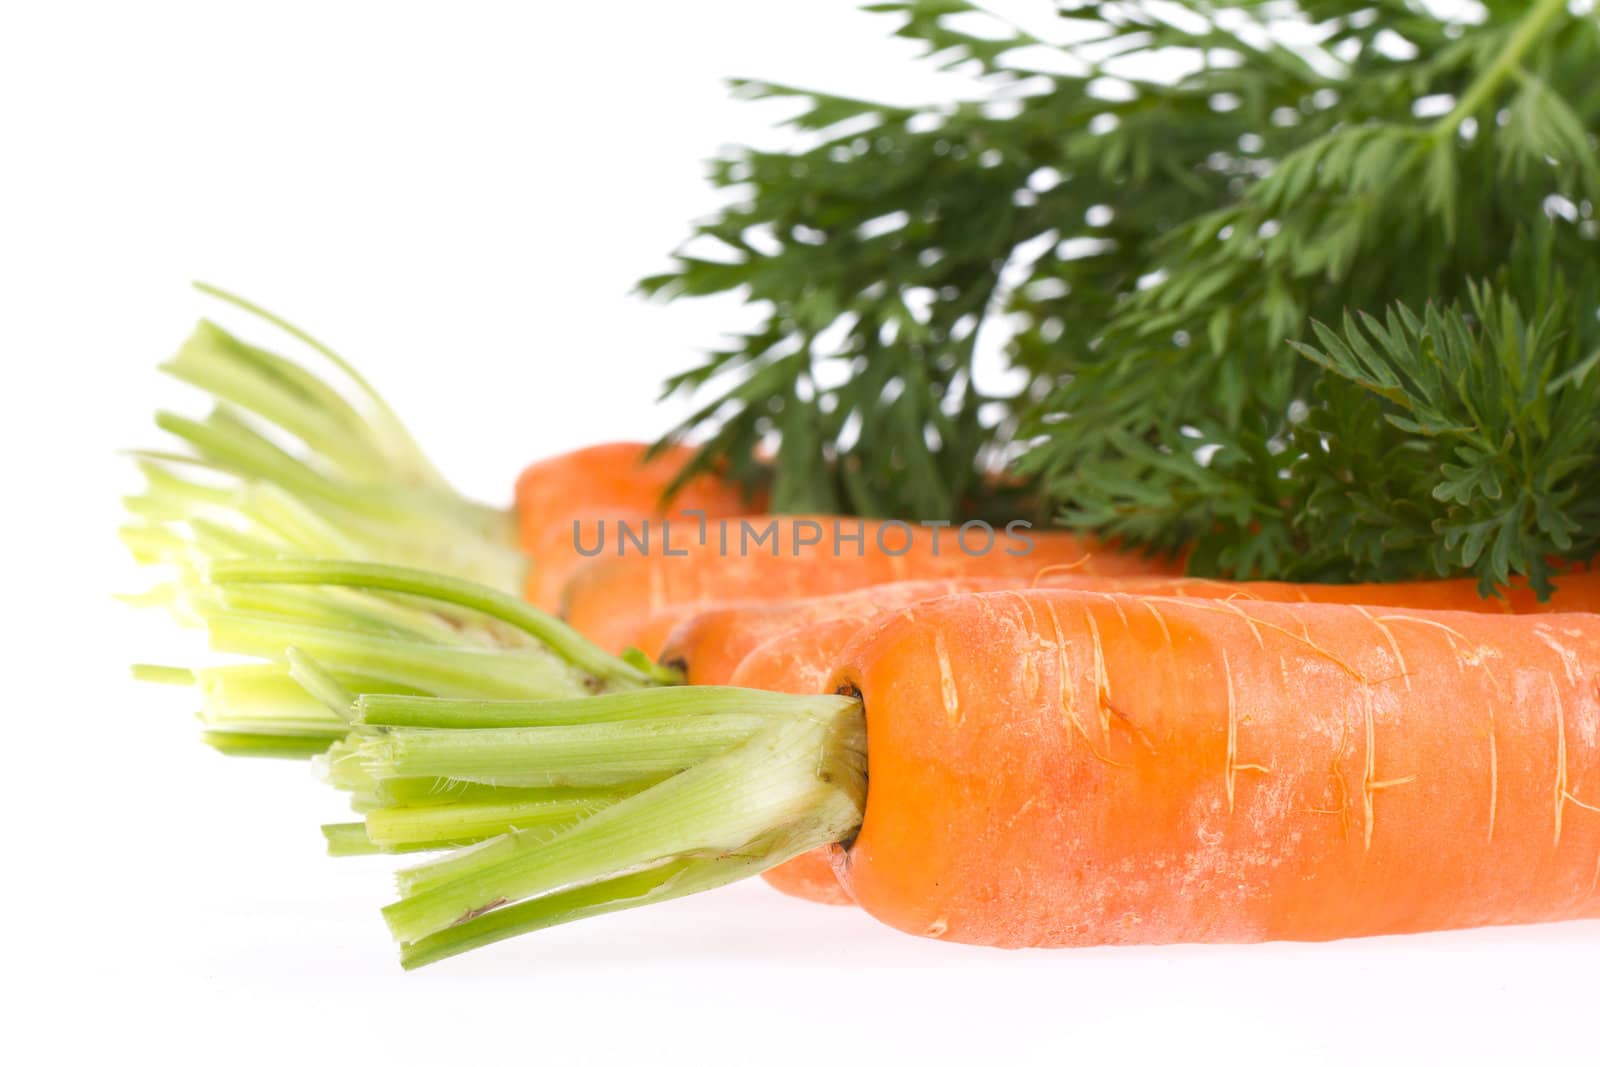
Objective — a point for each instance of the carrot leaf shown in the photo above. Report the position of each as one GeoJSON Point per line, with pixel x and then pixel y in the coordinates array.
{"type": "Point", "coordinates": [1146, 211]}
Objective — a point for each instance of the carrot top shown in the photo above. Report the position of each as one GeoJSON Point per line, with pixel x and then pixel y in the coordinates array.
{"type": "Point", "coordinates": [288, 462]}
{"type": "Point", "coordinates": [454, 715]}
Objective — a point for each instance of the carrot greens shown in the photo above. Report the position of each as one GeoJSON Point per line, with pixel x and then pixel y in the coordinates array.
{"type": "Point", "coordinates": [562, 792]}
{"type": "Point", "coordinates": [769, 790]}
{"type": "Point", "coordinates": [1181, 222]}
{"type": "Point", "coordinates": [288, 463]}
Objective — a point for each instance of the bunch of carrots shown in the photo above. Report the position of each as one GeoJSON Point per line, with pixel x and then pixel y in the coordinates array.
{"type": "Point", "coordinates": [1064, 746]}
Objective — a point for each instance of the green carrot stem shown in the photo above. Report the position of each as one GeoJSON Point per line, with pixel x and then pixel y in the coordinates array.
{"type": "Point", "coordinates": [447, 825]}
{"type": "Point", "coordinates": [161, 675]}
{"type": "Point", "coordinates": [345, 839]}
{"type": "Point", "coordinates": [665, 881]}
{"type": "Point", "coordinates": [167, 487]}
{"type": "Point", "coordinates": [1527, 33]}
{"type": "Point", "coordinates": [309, 530]}
{"type": "Point", "coordinates": [338, 609]}
{"type": "Point", "coordinates": [279, 391]}
{"type": "Point", "coordinates": [269, 746]}
{"type": "Point", "coordinates": [151, 544]}
{"type": "Point", "coordinates": [320, 684]}
{"type": "Point", "coordinates": [440, 669]}
{"type": "Point", "coordinates": [261, 699]}
{"type": "Point", "coordinates": [388, 709]}
{"type": "Point", "coordinates": [295, 716]}
{"type": "Point", "coordinates": [269, 518]}
{"type": "Point", "coordinates": [587, 754]}
{"type": "Point", "coordinates": [300, 335]}
{"type": "Point", "coordinates": [227, 442]}
{"type": "Point", "coordinates": [425, 792]}
{"type": "Point", "coordinates": [796, 784]}
{"type": "Point", "coordinates": [235, 447]}
{"type": "Point", "coordinates": [388, 434]}
{"type": "Point", "coordinates": [557, 635]}
{"type": "Point", "coordinates": [213, 539]}
{"type": "Point", "coordinates": [348, 839]}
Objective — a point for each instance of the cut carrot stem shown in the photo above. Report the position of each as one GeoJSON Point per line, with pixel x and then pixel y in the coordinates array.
{"type": "Point", "coordinates": [261, 699]}
{"type": "Point", "coordinates": [587, 754]}
{"type": "Point", "coordinates": [379, 709]}
{"type": "Point", "coordinates": [794, 783]}
{"type": "Point", "coordinates": [424, 792]}
{"type": "Point", "coordinates": [432, 826]}
{"type": "Point", "coordinates": [441, 825]}
{"type": "Point", "coordinates": [348, 839]}
{"type": "Point", "coordinates": [442, 669]}
{"type": "Point", "coordinates": [159, 675]}
{"type": "Point", "coordinates": [264, 745]}
{"type": "Point", "coordinates": [397, 447]}
{"type": "Point", "coordinates": [552, 632]}
{"type": "Point", "coordinates": [662, 882]}
{"type": "Point", "coordinates": [321, 684]}
{"type": "Point", "coordinates": [317, 469]}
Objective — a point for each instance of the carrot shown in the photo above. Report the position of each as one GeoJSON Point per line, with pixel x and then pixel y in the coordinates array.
{"type": "Point", "coordinates": [708, 643]}
{"type": "Point", "coordinates": [1061, 768]}
{"type": "Point", "coordinates": [564, 497]}
{"type": "Point", "coordinates": [787, 646]}
{"type": "Point", "coordinates": [612, 597]}
{"type": "Point", "coordinates": [1577, 591]}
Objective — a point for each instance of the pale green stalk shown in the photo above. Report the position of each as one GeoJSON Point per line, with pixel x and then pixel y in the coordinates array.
{"type": "Point", "coordinates": [566, 642]}
{"type": "Point", "coordinates": [444, 670]}
{"type": "Point", "coordinates": [391, 709]}
{"type": "Point", "coordinates": [436, 826]}
{"type": "Point", "coordinates": [587, 754]}
{"type": "Point", "coordinates": [796, 784]}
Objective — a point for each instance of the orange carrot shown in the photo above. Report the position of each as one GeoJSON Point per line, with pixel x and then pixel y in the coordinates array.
{"type": "Point", "coordinates": [611, 598]}
{"type": "Point", "coordinates": [1041, 767]}
{"type": "Point", "coordinates": [610, 481]}
{"type": "Point", "coordinates": [1577, 591]}
{"type": "Point", "coordinates": [786, 647]}
{"type": "Point", "coordinates": [708, 643]}
{"type": "Point", "coordinates": [1065, 768]}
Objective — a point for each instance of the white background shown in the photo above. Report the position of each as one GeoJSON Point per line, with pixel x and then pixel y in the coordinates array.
{"type": "Point", "coordinates": [459, 197]}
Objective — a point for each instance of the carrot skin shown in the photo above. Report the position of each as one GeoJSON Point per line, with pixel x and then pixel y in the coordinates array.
{"type": "Point", "coordinates": [710, 640]}
{"type": "Point", "coordinates": [1066, 768]}
{"type": "Point", "coordinates": [793, 646]}
{"type": "Point", "coordinates": [1578, 591]}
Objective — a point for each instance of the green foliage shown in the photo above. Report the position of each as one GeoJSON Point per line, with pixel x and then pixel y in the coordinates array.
{"type": "Point", "coordinates": [1487, 432]}
{"type": "Point", "coordinates": [1178, 239]}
